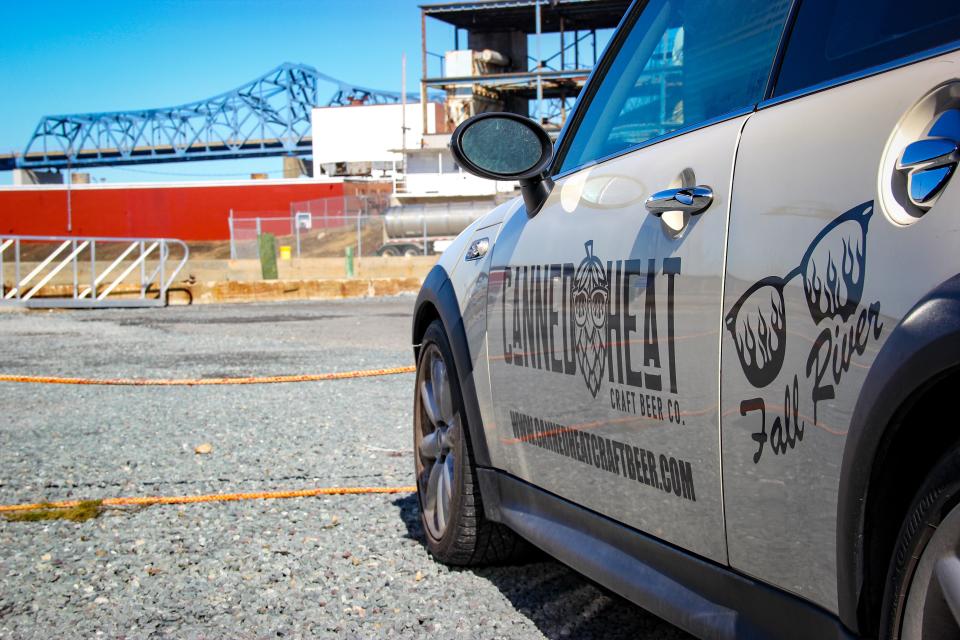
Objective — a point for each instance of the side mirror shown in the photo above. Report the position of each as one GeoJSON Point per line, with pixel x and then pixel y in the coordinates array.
{"type": "Point", "coordinates": [505, 146]}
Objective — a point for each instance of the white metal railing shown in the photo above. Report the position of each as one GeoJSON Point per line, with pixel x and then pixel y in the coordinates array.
{"type": "Point", "coordinates": [149, 258]}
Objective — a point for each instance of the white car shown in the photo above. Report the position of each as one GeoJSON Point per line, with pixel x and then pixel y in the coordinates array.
{"type": "Point", "coordinates": [707, 358]}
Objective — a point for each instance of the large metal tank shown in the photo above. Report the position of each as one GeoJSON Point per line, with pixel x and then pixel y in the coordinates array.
{"type": "Point", "coordinates": [415, 221]}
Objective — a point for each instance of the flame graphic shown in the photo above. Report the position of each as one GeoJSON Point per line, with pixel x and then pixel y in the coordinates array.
{"type": "Point", "coordinates": [834, 265]}
{"type": "Point", "coordinates": [833, 270]}
{"type": "Point", "coordinates": [758, 324]}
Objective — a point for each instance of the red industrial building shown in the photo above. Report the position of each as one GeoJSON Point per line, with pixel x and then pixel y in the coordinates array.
{"type": "Point", "coordinates": [193, 211]}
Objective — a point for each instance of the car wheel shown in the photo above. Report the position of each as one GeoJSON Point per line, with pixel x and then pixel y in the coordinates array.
{"type": "Point", "coordinates": [451, 508]}
{"type": "Point", "coordinates": [922, 595]}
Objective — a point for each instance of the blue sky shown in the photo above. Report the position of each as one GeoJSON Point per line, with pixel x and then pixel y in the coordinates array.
{"type": "Point", "coordinates": [106, 55]}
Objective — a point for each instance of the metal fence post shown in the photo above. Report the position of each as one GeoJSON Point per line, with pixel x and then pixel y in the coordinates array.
{"type": "Point", "coordinates": [16, 268]}
{"type": "Point", "coordinates": [258, 226]}
{"type": "Point", "coordinates": [423, 217]}
{"type": "Point", "coordinates": [143, 272]}
{"type": "Point", "coordinates": [233, 243]}
{"type": "Point", "coordinates": [296, 233]}
{"type": "Point", "coordinates": [162, 285]}
{"type": "Point", "coordinates": [93, 269]}
{"type": "Point", "coordinates": [76, 273]}
{"type": "Point", "coordinates": [359, 238]}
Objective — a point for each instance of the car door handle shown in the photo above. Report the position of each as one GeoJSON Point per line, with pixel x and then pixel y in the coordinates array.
{"type": "Point", "coordinates": [692, 200]}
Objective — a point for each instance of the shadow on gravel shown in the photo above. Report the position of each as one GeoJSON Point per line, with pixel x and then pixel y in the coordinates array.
{"type": "Point", "coordinates": [559, 601]}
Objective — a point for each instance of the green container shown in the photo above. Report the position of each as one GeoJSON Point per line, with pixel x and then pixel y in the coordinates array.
{"type": "Point", "coordinates": [268, 256]}
{"type": "Point", "coordinates": [349, 262]}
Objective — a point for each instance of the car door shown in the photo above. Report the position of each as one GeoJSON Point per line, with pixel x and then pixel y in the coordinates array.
{"type": "Point", "coordinates": [835, 233]}
{"type": "Point", "coordinates": [604, 317]}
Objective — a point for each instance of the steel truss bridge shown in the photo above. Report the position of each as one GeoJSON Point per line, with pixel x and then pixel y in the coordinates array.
{"type": "Point", "coordinates": [269, 116]}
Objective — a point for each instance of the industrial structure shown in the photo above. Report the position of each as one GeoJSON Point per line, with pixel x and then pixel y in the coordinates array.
{"type": "Point", "coordinates": [530, 57]}
{"type": "Point", "coordinates": [271, 115]}
{"type": "Point", "coordinates": [504, 66]}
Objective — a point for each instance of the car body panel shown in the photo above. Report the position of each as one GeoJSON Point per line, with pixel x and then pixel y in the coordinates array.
{"type": "Point", "coordinates": [806, 312]}
{"type": "Point", "coordinates": [470, 281]}
{"type": "Point", "coordinates": [452, 256]}
{"type": "Point", "coordinates": [641, 380]}
{"type": "Point", "coordinates": [819, 273]}
{"type": "Point", "coordinates": [704, 598]}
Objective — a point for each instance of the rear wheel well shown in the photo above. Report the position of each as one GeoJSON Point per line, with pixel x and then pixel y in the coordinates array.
{"type": "Point", "coordinates": [914, 440]}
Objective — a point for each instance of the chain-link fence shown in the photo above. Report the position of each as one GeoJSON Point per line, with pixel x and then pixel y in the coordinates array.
{"type": "Point", "coordinates": [371, 204]}
{"type": "Point", "coordinates": [366, 224]}
{"type": "Point", "coordinates": [313, 228]}
{"type": "Point", "coordinates": [308, 236]}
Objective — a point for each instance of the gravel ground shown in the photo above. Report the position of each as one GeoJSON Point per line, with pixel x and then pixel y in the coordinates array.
{"type": "Point", "coordinates": [350, 566]}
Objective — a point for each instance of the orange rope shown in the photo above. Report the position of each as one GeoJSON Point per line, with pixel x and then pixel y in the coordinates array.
{"type": "Point", "coordinates": [213, 497]}
{"type": "Point", "coordinates": [175, 382]}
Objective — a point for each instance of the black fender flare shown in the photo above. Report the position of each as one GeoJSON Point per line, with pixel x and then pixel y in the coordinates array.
{"type": "Point", "coordinates": [925, 344]}
{"type": "Point", "coordinates": [438, 291]}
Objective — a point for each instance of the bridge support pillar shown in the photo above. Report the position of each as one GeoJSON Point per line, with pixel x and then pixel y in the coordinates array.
{"type": "Point", "coordinates": [294, 167]}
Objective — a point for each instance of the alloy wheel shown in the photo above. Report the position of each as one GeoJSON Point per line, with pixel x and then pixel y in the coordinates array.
{"type": "Point", "coordinates": [437, 436]}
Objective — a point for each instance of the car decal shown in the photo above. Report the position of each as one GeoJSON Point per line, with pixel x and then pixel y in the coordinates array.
{"type": "Point", "coordinates": [558, 318]}
{"type": "Point", "coordinates": [659, 471]}
{"type": "Point", "coordinates": [833, 272]}
{"type": "Point", "coordinates": [591, 292]}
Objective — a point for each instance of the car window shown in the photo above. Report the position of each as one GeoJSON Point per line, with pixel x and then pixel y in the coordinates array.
{"type": "Point", "coordinates": [684, 62]}
{"type": "Point", "coordinates": [834, 38]}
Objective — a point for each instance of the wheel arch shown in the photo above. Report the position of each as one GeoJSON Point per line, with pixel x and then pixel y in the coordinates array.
{"type": "Point", "coordinates": [889, 447]}
{"type": "Point", "coordinates": [438, 300]}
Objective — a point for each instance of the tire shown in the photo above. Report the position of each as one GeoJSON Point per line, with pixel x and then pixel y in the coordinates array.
{"type": "Point", "coordinates": [412, 251]}
{"type": "Point", "coordinates": [451, 508]}
{"type": "Point", "coordinates": [390, 252]}
{"type": "Point", "coordinates": [922, 592]}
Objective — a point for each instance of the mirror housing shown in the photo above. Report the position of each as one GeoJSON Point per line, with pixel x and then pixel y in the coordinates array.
{"type": "Point", "coordinates": [506, 146]}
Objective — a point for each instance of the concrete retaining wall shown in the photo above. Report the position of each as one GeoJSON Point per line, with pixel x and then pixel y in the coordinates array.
{"type": "Point", "coordinates": [263, 290]}
{"type": "Point", "coordinates": [249, 270]}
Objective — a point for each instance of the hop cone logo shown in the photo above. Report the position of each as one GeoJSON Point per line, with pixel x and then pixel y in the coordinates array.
{"type": "Point", "coordinates": [590, 293]}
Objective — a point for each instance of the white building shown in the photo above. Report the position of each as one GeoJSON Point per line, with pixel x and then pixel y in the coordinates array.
{"type": "Point", "coordinates": [368, 138]}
